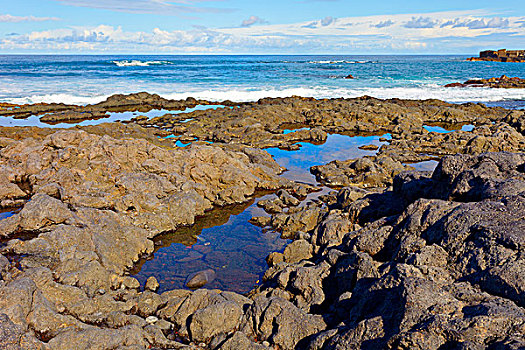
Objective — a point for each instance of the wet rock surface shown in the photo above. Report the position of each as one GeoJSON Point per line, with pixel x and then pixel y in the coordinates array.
{"type": "Point", "coordinates": [501, 82]}
{"type": "Point", "coordinates": [395, 259]}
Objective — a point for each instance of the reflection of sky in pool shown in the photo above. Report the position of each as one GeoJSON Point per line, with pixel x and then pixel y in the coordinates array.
{"type": "Point", "coordinates": [224, 241]}
{"type": "Point", "coordinates": [439, 129]}
{"type": "Point", "coordinates": [6, 214]}
{"type": "Point", "coordinates": [113, 117]}
{"type": "Point", "coordinates": [336, 147]}
{"type": "Point", "coordinates": [427, 165]}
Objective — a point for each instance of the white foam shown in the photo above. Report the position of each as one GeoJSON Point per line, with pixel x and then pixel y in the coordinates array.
{"type": "Point", "coordinates": [242, 94]}
{"type": "Point", "coordinates": [137, 63]}
{"type": "Point", "coordinates": [58, 98]}
{"type": "Point", "coordinates": [339, 62]}
{"type": "Point", "coordinates": [413, 93]}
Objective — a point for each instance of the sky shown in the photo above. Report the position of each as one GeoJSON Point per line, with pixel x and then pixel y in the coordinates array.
{"type": "Point", "coordinates": [260, 27]}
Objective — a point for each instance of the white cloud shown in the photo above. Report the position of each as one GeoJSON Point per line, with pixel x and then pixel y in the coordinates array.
{"type": "Point", "coordinates": [421, 22]}
{"type": "Point", "coordinates": [436, 32]}
{"type": "Point", "coordinates": [15, 19]}
{"type": "Point", "coordinates": [250, 21]}
{"type": "Point", "coordinates": [478, 23]}
{"type": "Point", "coordinates": [383, 24]}
{"type": "Point", "coordinates": [327, 21]}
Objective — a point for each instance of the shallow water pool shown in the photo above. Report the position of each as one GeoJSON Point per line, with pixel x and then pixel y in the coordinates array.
{"type": "Point", "coordinates": [34, 120]}
{"type": "Point", "coordinates": [224, 240]}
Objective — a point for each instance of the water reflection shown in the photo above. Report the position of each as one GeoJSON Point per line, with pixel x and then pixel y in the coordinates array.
{"type": "Point", "coordinates": [222, 240]}
{"type": "Point", "coordinates": [336, 147]}
{"type": "Point", "coordinates": [4, 213]}
{"type": "Point", "coordinates": [34, 120]}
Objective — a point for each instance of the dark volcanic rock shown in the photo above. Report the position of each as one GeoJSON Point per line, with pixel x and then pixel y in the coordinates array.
{"type": "Point", "coordinates": [501, 82]}
{"type": "Point", "coordinates": [363, 172]}
{"type": "Point", "coordinates": [415, 260]}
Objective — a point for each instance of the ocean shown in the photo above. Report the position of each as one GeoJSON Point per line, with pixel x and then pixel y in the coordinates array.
{"type": "Point", "coordinates": [90, 79]}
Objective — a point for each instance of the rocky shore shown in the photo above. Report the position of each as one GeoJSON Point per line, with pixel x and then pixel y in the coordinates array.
{"type": "Point", "coordinates": [502, 82]}
{"type": "Point", "coordinates": [395, 258]}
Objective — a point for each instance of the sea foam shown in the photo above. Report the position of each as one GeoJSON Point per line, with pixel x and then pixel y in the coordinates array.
{"type": "Point", "coordinates": [243, 94]}
{"type": "Point", "coordinates": [137, 63]}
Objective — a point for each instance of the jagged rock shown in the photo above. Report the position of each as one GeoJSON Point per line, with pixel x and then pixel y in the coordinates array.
{"type": "Point", "coordinates": [374, 171]}
{"type": "Point", "coordinates": [297, 251]}
{"type": "Point", "coordinates": [280, 322]}
{"type": "Point", "coordinates": [214, 319]}
{"type": "Point", "coordinates": [287, 198]}
{"type": "Point", "coordinates": [239, 341]}
{"type": "Point", "coordinates": [152, 284]}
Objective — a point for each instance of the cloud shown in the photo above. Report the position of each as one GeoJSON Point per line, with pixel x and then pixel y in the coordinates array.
{"type": "Point", "coordinates": [479, 23]}
{"type": "Point", "coordinates": [327, 21]}
{"type": "Point", "coordinates": [383, 24]}
{"type": "Point", "coordinates": [15, 19]}
{"type": "Point", "coordinates": [450, 32]}
{"type": "Point", "coordinates": [162, 7]}
{"type": "Point", "coordinates": [421, 22]}
{"type": "Point", "coordinates": [310, 25]}
{"type": "Point", "coordinates": [250, 21]}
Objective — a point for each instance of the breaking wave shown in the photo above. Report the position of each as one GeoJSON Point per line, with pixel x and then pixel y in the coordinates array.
{"type": "Point", "coordinates": [340, 62]}
{"type": "Point", "coordinates": [137, 63]}
{"type": "Point", "coordinates": [244, 94]}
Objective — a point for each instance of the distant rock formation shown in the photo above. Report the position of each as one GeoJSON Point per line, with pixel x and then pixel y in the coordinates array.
{"type": "Point", "coordinates": [500, 56]}
{"type": "Point", "coordinates": [501, 82]}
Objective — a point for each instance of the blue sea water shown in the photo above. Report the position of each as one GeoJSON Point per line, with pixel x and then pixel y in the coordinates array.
{"type": "Point", "coordinates": [90, 79]}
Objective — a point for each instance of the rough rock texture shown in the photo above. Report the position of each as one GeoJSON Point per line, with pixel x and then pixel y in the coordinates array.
{"type": "Point", "coordinates": [262, 123]}
{"type": "Point", "coordinates": [59, 112]}
{"type": "Point", "coordinates": [432, 261]}
{"type": "Point", "coordinates": [501, 82]}
{"type": "Point", "coordinates": [372, 171]}
{"type": "Point", "coordinates": [91, 206]}
{"type": "Point", "coordinates": [438, 267]}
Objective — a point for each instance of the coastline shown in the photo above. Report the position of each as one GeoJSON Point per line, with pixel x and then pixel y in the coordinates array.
{"type": "Point", "coordinates": [388, 232]}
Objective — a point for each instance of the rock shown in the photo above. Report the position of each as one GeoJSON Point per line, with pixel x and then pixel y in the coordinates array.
{"type": "Point", "coordinates": [369, 147]}
{"type": "Point", "coordinates": [271, 206]}
{"type": "Point", "coordinates": [374, 171]}
{"type": "Point", "coordinates": [240, 341]}
{"type": "Point", "coordinates": [274, 258]}
{"type": "Point", "coordinates": [199, 279]}
{"type": "Point", "coordinates": [151, 319]}
{"type": "Point", "coordinates": [10, 333]}
{"type": "Point", "coordinates": [281, 323]}
{"type": "Point", "coordinates": [287, 198]}
{"type": "Point", "coordinates": [152, 284]}
{"type": "Point", "coordinates": [148, 303]}
{"type": "Point", "coordinates": [130, 283]}
{"type": "Point", "coordinates": [332, 230]}
{"type": "Point", "coordinates": [297, 251]}
{"type": "Point", "coordinates": [305, 219]}
{"type": "Point", "coordinates": [501, 82]}
{"type": "Point", "coordinates": [215, 319]}
{"type": "Point", "coordinates": [111, 338]}
{"type": "Point", "coordinates": [261, 221]}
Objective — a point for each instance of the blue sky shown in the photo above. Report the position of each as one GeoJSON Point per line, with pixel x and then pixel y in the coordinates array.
{"type": "Point", "coordinates": [271, 26]}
